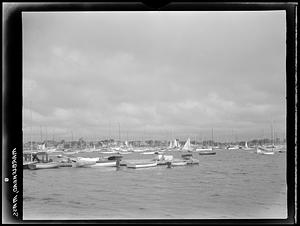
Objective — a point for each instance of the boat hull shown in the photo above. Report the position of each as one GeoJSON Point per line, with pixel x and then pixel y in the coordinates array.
{"type": "Point", "coordinates": [141, 165]}
{"type": "Point", "coordinates": [207, 153]}
{"type": "Point", "coordinates": [181, 163]}
{"type": "Point", "coordinates": [263, 151]}
{"type": "Point", "coordinates": [193, 161]}
{"type": "Point", "coordinates": [102, 164]}
{"type": "Point", "coordinates": [49, 165]}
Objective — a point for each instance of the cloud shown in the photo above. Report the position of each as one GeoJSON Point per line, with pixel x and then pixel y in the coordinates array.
{"type": "Point", "coordinates": [183, 72]}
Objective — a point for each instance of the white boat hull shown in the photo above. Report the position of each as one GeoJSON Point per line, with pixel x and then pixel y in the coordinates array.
{"type": "Point", "coordinates": [148, 153]}
{"type": "Point", "coordinates": [179, 163]}
{"type": "Point", "coordinates": [102, 164]}
{"type": "Point", "coordinates": [264, 151]}
{"type": "Point", "coordinates": [49, 165]}
{"type": "Point", "coordinates": [141, 165]}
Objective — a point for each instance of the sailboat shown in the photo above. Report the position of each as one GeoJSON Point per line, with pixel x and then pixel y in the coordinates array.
{"type": "Point", "coordinates": [187, 146]}
{"type": "Point", "coordinates": [207, 151]}
{"type": "Point", "coordinates": [247, 148]}
{"type": "Point", "coordinates": [269, 150]}
{"type": "Point", "coordinates": [173, 145]}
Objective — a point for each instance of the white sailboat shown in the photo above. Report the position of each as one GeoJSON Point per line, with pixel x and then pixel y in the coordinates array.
{"type": "Point", "coordinates": [208, 150]}
{"type": "Point", "coordinates": [247, 148]}
{"type": "Point", "coordinates": [269, 150]}
{"type": "Point", "coordinates": [187, 146]}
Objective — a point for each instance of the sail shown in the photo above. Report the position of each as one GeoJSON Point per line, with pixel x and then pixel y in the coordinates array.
{"type": "Point", "coordinates": [187, 145]}
{"type": "Point", "coordinates": [126, 143]}
{"type": "Point", "coordinates": [175, 143]}
{"type": "Point", "coordinates": [171, 144]}
{"type": "Point", "coordinates": [246, 145]}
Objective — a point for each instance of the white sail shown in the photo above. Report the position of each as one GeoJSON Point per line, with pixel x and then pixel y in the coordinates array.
{"type": "Point", "coordinates": [187, 145]}
{"type": "Point", "coordinates": [175, 143]}
{"type": "Point", "coordinates": [246, 145]}
{"type": "Point", "coordinates": [126, 143]}
{"type": "Point", "coordinates": [171, 144]}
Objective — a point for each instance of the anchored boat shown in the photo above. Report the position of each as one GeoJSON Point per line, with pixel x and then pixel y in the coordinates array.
{"type": "Point", "coordinates": [207, 152]}
{"type": "Point", "coordinates": [141, 164]}
{"type": "Point", "coordinates": [264, 151]}
{"type": "Point", "coordinates": [179, 162]}
{"type": "Point", "coordinates": [42, 165]}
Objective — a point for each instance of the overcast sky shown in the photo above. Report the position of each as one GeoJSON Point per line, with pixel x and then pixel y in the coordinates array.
{"type": "Point", "coordinates": [158, 75]}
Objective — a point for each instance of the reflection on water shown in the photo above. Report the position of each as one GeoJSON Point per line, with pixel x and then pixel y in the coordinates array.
{"type": "Point", "coordinates": [230, 184]}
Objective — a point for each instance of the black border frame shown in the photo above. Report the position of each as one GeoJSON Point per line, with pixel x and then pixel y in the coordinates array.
{"type": "Point", "coordinates": [12, 95]}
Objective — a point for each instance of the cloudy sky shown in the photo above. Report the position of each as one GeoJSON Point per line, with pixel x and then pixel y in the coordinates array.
{"type": "Point", "coordinates": [158, 75]}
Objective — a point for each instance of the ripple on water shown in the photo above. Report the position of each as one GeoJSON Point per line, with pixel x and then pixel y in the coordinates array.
{"type": "Point", "coordinates": [226, 186]}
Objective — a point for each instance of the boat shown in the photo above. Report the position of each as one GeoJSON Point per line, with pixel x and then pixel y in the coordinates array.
{"type": "Point", "coordinates": [264, 151]}
{"type": "Point", "coordinates": [138, 150]}
{"type": "Point", "coordinates": [189, 159]}
{"type": "Point", "coordinates": [43, 165]}
{"type": "Point", "coordinates": [203, 149]}
{"type": "Point", "coordinates": [141, 164]}
{"type": "Point", "coordinates": [148, 153]}
{"type": "Point", "coordinates": [247, 148]}
{"type": "Point", "coordinates": [162, 159]}
{"type": "Point", "coordinates": [187, 146]}
{"type": "Point", "coordinates": [207, 152]}
{"type": "Point", "coordinates": [113, 160]}
{"type": "Point", "coordinates": [26, 165]}
{"type": "Point", "coordinates": [267, 150]}
{"type": "Point", "coordinates": [83, 162]}
{"type": "Point", "coordinates": [235, 147]}
{"type": "Point", "coordinates": [101, 163]}
{"type": "Point", "coordinates": [179, 162]}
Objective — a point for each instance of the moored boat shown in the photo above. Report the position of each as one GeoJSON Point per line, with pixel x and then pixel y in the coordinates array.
{"type": "Point", "coordinates": [207, 152]}
{"type": "Point", "coordinates": [179, 163]}
{"type": "Point", "coordinates": [42, 165]}
{"type": "Point", "coordinates": [101, 164]}
{"type": "Point", "coordinates": [264, 151]}
{"type": "Point", "coordinates": [192, 161]}
{"type": "Point", "coordinates": [142, 164]}
{"type": "Point", "coordinates": [26, 165]}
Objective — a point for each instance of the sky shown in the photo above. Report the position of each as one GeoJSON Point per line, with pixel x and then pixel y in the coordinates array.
{"type": "Point", "coordinates": [154, 75]}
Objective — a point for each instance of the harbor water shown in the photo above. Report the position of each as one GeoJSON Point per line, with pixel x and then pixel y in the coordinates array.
{"type": "Point", "coordinates": [233, 184]}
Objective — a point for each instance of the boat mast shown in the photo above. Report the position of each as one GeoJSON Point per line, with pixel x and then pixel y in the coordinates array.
{"type": "Point", "coordinates": [30, 127]}
{"type": "Point", "coordinates": [119, 133]}
{"type": "Point", "coordinates": [41, 134]}
{"type": "Point", "coordinates": [46, 136]}
{"type": "Point", "coordinates": [212, 137]}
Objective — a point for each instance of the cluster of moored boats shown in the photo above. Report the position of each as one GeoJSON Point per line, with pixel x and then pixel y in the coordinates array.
{"type": "Point", "coordinates": [41, 160]}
